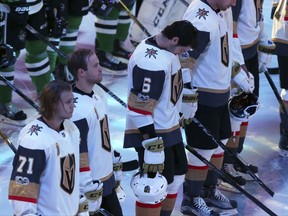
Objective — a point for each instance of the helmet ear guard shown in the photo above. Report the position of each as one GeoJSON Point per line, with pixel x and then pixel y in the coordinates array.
{"type": "Point", "coordinates": [243, 106]}
{"type": "Point", "coordinates": [149, 190]}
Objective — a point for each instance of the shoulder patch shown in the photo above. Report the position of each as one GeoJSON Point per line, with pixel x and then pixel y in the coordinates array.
{"type": "Point", "coordinates": [151, 52]}
{"type": "Point", "coordinates": [34, 129]}
{"type": "Point", "coordinates": [202, 13]}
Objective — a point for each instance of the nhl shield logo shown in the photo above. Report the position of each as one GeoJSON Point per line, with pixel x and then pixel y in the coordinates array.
{"type": "Point", "coordinates": [68, 173]}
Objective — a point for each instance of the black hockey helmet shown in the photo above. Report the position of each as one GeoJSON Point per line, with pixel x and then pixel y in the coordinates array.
{"type": "Point", "coordinates": [243, 106]}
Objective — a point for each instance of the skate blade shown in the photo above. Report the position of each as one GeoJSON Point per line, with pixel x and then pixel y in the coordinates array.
{"type": "Point", "coordinates": [5, 120]}
{"type": "Point", "coordinates": [228, 212]}
{"type": "Point", "coordinates": [224, 186]}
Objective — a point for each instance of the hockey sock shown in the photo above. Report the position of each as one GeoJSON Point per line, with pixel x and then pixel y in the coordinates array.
{"type": "Point", "coordinates": [6, 91]}
{"type": "Point", "coordinates": [243, 131]}
{"type": "Point", "coordinates": [51, 53]}
{"type": "Point", "coordinates": [123, 26]}
{"type": "Point", "coordinates": [144, 209]}
{"type": "Point", "coordinates": [212, 176]}
{"type": "Point", "coordinates": [168, 204]}
{"type": "Point", "coordinates": [37, 63]}
{"type": "Point", "coordinates": [68, 42]}
{"type": "Point", "coordinates": [106, 28]}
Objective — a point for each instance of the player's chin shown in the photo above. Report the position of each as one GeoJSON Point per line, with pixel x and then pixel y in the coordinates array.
{"type": "Point", "coordinates": [69, 115]}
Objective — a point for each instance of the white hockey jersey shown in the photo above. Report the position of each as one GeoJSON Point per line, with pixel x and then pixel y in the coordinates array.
{"type": "Point", "coordinates": [212, 70]}
{"type": "Point", "coordinates": [45, 176]}
{"type": "Point", "coordinates": [247, 21]}
{"type": "Point", "coordinates": [90, 116]}
{"type": "Point", "coordinates": [154, 94]}
{"type": "Point", "coordinates": [280, 23]}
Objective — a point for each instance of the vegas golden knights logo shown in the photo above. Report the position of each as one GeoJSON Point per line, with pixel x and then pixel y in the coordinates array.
{"type": "Point", "coordinates": [105, 134]}
{"type": "Point", "coordinates": [176, 86]}
{"type": "Point", "coordinates": [68, 173]}
{"type": "Point", "coordinates": [225, 50]}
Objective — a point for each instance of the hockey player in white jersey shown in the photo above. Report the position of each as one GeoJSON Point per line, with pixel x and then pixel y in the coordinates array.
{"type": "Point", "coordinates": [152, 122]}
{"type": "Point", "coordinates": [45, 176]}
{"type": "Point", "coordinates": [90, 116]}
{"type": "Point", "coordinates": [280, 38]}
{"type": "Point", "coordinates": [211, 74]}
{"type": "Point", "coordinates": [249, 28]}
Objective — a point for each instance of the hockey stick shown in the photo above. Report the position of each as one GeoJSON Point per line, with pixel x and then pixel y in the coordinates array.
{"type": "Point", "coordinates": [275, 92]}
{"type": "Point", "coordinates": [234, 156]}
{"type": "Point", "coordinates": [104, 212]}
{"type": "Point", "coordinates": [225, 177]}
{"type": "Point", "coordinates": [31, 102]}
{"type": "Point", "coordinates": [130, 165]}
{"type": "Point", "coordinates": [134, 18]}
{"type": "Point", "coordinates": [8, 142]}
{"type": "Point", "coordinates": [274, 70]}
{"type": "Point", "coordinates": [184, 2]}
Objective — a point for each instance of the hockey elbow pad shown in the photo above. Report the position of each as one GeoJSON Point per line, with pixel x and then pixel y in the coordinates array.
{"type": "Point", "coordinates": [153, 155]}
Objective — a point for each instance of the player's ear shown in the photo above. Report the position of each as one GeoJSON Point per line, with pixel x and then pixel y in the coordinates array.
{"type": "Point", "coordinates": [175, 40]}
{"type": "Point", "coordinates": [80, 72]}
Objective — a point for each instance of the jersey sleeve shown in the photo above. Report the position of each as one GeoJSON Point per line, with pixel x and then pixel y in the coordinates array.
{"type": "Point", "coordinates": [85, 173]}
{"type": "Point", "coordinates": [203, 39]}
{"type": "Point", "coordinates": [146, 90]}
{"type": "Point", "coordinates": [28, 165]}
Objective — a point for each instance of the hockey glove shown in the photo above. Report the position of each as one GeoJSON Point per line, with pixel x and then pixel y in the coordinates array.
{"type": "Point", "coordinates": [189, 104]}
{"type": "Point", "coordinates": [57, 15]}
{"type": "Point", "coordinates": [154, 155]}
{"type": "Point", "coordinates": [102, 8]}
{"type": "Point", "coordinates": [117, 165]}
{"type": "Point", "coordinates": [240, 77]}
{"type": "Point", "coordinates": [19, 12]}
{"type": "Point", "coordinates": [83, 204]}
{"type": "Point", "coordinates": [7, 56]}
{"type": "Point", "coordinates": [93, 193]}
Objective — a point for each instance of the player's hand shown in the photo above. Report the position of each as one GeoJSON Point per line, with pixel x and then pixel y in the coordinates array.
{"type": "Point", "coordinates": [189, 104]}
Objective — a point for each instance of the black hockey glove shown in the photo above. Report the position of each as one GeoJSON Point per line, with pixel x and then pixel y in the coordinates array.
{"type": "Point", "coordinates": [102, 7]}
{"type": "Point", "coordinates": [57, 14]}
{"type": "Point", "coordinates": [7, 56]}
{"type": "Point", "coordinates": [19, 11]}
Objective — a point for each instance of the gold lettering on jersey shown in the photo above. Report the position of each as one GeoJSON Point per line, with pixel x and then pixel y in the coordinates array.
{"type": "Point", "coordinates": [225, 50]}
{"type": "Point", "coordinates": [176, 86]}
{"type": "Point", "coordinates": [68, 173]}
{"type": "Point", "coordinates": [106, 143]}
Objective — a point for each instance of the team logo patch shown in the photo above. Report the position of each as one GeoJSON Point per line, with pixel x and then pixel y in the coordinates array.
{"type": "Point", "coordinates": [22, 180]}
{"type": "Point", "coordinates": [34, 129]}
{"type": "Point", "coordinates": [151, 52]}
{"type": "Point", "coordinates": [22, 35]}
{"type": "Point", "coordinates": [75, 101]}
{"type": "Point", "coordinates": [106, 143]}
{"type": "Point", "coordinates": [68, 173]}
{"type": "Point", "coordinates": [202, 13]}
